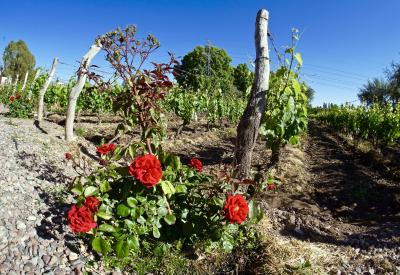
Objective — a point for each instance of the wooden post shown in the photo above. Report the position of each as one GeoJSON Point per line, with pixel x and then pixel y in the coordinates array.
{"type": "Point", "coordinates": [76, 90]}
{"type": "Point", "coordinates": [247, 130]}
{"type": "Point", "coordinates": [25, 80]}
{"type": "Point", "coordinates": [33, 82]}
{"type": "Point", "coordinates": [15, 84]}
{"type": "Point", "coordinates": [43, 90]}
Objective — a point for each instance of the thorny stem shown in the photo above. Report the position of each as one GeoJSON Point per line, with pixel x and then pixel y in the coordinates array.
{"type": "Point", "coordinates": [168, 207]}
{"type": "Point", "coordinates": [148, 143]}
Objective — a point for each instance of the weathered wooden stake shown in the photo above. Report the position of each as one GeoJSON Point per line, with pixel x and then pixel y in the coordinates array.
{"type": "Point", "coordinates": [15, 83]}
{"type": "Point", "coordinates": [43, 90]}
{"type": "Point", "coordinates": [247, 130]}
{"type": "Point", "coordinates": [25, 80]}
{"type": "Point", "coordinates": [76, 90]}
{"type": "Point", "coordinates": [33, 82]}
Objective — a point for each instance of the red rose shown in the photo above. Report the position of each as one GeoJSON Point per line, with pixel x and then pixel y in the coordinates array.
{"type": "Point", "coordinates": [271, 186]}
{"type": "Point", "coordinates": [92, 203]}
{"type": "Point", "coordinates": [105, 148]}
{"type": "Point", "coordinates": [11, 98]}
{"type": "Point", "coordinates": [80, 219]}
{"type": "Point", "coordinates": [196, 164]}
{"type": "Point", "coordinates": [68, 156]}
{"type": "Point", "coordinates": [17, 96]}
{"type": "Point", "coordinates": [236, 209]}
{"type": "Point", "coordinates": [146, 169]}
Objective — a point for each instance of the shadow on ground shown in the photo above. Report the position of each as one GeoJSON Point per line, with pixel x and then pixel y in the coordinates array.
{"type": "Point", "coordinates": [54, 224]}
{"type": "Point", "coordinates": [350, 202]}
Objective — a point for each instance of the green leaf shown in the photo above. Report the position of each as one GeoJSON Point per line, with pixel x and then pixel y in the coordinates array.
{"type": "Point", "coordinates": [167, 187]}
{"type": "Point", "coordinates": [105, 187]}
{"type": "Point", "coordinates": [227, 245]}
{"type": "Point", "coordinates": [162, 211]}
{"type": "Point", "coordinates": [141, 199]}
{"type": "Point", "coordinates": [130, 224]}
{"type": "Point", "coordinates": [176, 163]}
{"type": "Point", "coordinates": [294, 140]}
{"type": "Point", "coordinates": [299, 59]}
{"type": "Point", "coordinates": [255, 212]}
{"type": "Point", "coordinates": [141, 220]}
{"type": "Point", "coordinates": [181, 188]}
{"type": "Point", "coordinates": [132, 150]}
{"type": "Point", "coordinates": [104, 215]}
{"type": "Point", "coordinates": [100, 245]}
{"type": "Point", "coordinates": [218, 201]}
{"type": "Point", "coordinates": [91, 191]}
{"type": "Point", "coordinates": [135, 213]}
{"type": "Point", "coordinates": [170, 219]}
{"type": "Point", "coordinates": [133, 242]}
{"type": "Point", "coordinates": [107, 227]}
{"type": "Point", "coordinates": [156, 232]}
{"type": "Point", "coordinates": [77, 189]}
{"type": "Point", "coordinates": [117, 153]}
{"type": "Point", "coordinates": [121, 249]}
{"type": "Point", "coordinates": [123, 210]}
{"type": "Point", "coordinates": [296, 86]}
{"type": "Point", "coordinates": [132, 202]}
{"type": "Point", "coordinates": [184, 214]}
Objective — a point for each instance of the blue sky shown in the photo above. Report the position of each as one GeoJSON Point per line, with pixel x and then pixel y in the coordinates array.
{"type": "Point", "coordinates": [344, 42]}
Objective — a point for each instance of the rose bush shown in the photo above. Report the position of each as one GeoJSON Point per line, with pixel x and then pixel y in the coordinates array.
{"type": "Point", "coordinates": [146, 169]}
{"type": "Point", "coordinates": [68, 156]}
{"type": "Point", "coordinates": [236, 209]}
{"type": "Point", "coordinates": [19, 107]}
{"type": "Point", "coordinates": [143, 200]}
{"type": "Point", "coordinates": [92, 203]}
{"type": "Point", "coordinates": [106, 148]}
{"type": "Point", "coordinates": [196, 164]}
{"type": "Point", "coordinates": [81, 219]}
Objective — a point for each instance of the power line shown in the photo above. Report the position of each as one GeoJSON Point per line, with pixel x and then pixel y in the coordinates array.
{"type": "Point", "coordinates": [337, 70]}
{"type": "Point", "coordinates": [335, 80]}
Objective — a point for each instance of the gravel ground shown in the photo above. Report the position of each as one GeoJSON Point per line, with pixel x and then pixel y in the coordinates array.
{"type": "Point", "coordinates": [34, 236]}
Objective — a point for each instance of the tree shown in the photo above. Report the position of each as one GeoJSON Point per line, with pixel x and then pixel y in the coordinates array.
{"type": "Point", "coordinates": [242, 77]}
{"type": "Point", "coordinates": [17, 59]}
{"type": "Point", "coordinates": [393, 75]}
{"type": "Point", "coordinates": [205, 67]}
{"type": "Point", "coordinates": [375, 91]}
{"type": "Point", "coordinates": [310, 92]}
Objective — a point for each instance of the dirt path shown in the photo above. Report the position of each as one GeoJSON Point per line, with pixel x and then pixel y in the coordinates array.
{"type": "Point", "coordinates": [346, 203]}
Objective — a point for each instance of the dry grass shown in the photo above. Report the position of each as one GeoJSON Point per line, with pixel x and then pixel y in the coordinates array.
{"type": "Point", "coordinates": [292, 171]}
{"type": "Point", "coordinates": [282, 255]}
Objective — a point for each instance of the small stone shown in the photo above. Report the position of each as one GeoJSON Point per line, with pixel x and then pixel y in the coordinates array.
{"type": "Point", "coordinates": [53, 261]}
{"type": "Point", "coordinates": [35, 260]}
{"type": "Point", "coordinates": [77, 264]}
{"type": "Point", "coordinates": [58, 271]}
{"type": "Point", "coordinates": [31, 218]}
{"type": "Point", "coordinates": [21, 225]}
{"type": "Point", "coordinates": [72, 256]}
{"type": "Point", "coordinates": [28, 267]}
{"type": "Point", "coordinates": [3, 234]}
{"type": "Point", "coordinates": [46, 259]}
